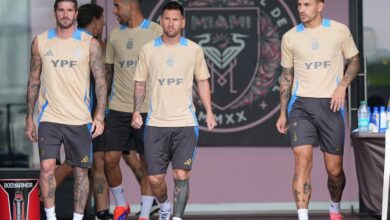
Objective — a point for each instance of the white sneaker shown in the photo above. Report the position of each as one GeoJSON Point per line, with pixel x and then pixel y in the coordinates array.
{"type": "Point", "coordinates": [164, 215]}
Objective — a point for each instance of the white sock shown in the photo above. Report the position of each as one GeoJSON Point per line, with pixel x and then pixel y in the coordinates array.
{"type": "Point", "coordinates": [165, 206]}
{"type": "Point", "coordinates": [77, 216]}
{"type": "Point", "coordinates": [146, 206]}
{"type": "Point", "coordinates": [334, 207]}
{"type": "Point", "coordinates": [119, 195]}
{"type": "Point", "coordinates": [303, 214]}
{"type": "Point", "coordinates": [50, 213]}
{"type": "Point", "coordinates": [176, 218]}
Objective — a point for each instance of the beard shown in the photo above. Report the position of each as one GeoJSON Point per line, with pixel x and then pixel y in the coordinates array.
{"type": "Point", "coordinates": [65, 25]}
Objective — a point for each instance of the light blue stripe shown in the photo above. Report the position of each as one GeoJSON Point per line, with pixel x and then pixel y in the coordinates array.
{"type": "Point", "coordinates": [300, 27]}
{"type": "Point", "coordinates": [196, 130]}
{"type": "Point", "coordinates": [85, 31]}
{"type": "Point", "coordinates": [91, 94]}
{"type": "Point", "coordinates": [44, 106]}
{"type": "Point", "coordinates": [85, 101]}
{"type": "Point", "coordinates": [293, 98]}
{"type": "Point", "coordinates": [158, 42]}
{"type": "Point", "coordinates": [193, 113]}
{"type": "Point", "coordinates": [149, 113]}
{"type": "Point", "coordinates": [51, 33]}
{"type": "Point", "coordinates": [183, 41]}
{"type": "Point", "coordinates": [77, 34]}
{"type": "Point", "coordinates": [123, 27]}
{"type": "Point", "coordinates": [145, 24]}
{"type": "Point", "coordinates": [326, 23]}
{"type": "Point", "coordinates": [112, 91]}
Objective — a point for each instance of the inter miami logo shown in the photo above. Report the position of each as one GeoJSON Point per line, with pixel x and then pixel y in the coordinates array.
{"type": "Point", "coordinates": [241, 41]}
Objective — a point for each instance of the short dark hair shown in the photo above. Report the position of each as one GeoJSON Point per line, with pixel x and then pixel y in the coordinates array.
{"type": "Point", "coordinates": [58, 1]}
{"type": "Point", "coordinates": [173, 5]}
{"type": "Point", "coordinates": [87, 13]}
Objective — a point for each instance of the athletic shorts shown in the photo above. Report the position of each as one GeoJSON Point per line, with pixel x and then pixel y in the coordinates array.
{"type": "Point", "coordinates": [170, 144]}
{"type": "Point", "coordinates": [98, 143]}
{"type": "Point", "coordinates": [76, 139]}
{"type": "Point", "coordinates": [312, 122]}
{"type": "Point", "coordinates": [119, 134]}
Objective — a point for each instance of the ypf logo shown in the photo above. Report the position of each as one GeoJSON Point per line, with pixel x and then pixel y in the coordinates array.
{"type": "Point", "coordinates": [241, 42]}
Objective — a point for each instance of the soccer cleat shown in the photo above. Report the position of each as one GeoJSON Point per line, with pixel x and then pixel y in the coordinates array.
{"type": "Point", "coordinates": [121, 212]}
{"type": "Point", "coordinates": [335, 216]}
{"type": "Point", "coordinates": [164, 215]}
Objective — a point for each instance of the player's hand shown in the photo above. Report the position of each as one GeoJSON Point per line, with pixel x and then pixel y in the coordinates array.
{"type": "Point", "coordinates": [281, 124]}
{"type": "Point", "coordinates": [31, 130]}
{"type": "Point", "coordinates": [97, 127]}
{"type": "Point", "coordinates": [338, 97]}
{"type": "Point", "coordinates": [136, 121]}
{"type": "Point", "coordinates": [210, 121]}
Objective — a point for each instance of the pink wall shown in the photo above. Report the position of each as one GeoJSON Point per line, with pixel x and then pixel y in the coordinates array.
{"type": "Point", "coordinates": [250, 174]}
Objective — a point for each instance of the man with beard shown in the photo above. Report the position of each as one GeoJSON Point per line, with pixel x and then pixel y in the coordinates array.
{"type": "Point", "coordinates": [168, 66]}
{"type": "Point", "coordinates": [122, 53]}
{"type": "Point", "coordinates": [61, 62]}
{"type": "Point", "coordinates": [312, 67]}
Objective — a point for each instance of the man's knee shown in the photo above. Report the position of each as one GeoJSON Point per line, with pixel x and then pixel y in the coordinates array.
{"type": "Point", "coordinates": [156, 180]}
{"type": "Point", "coordinates": [47, 167]}
{"type": "Point", "coordinates": [336, 174]}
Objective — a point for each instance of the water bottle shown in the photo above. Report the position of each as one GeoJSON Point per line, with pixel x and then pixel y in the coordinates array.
{"type": "Point", "coordinates": [363, 118]}
{"type": "Point", "coordinates": [374, 120]}
{"type": "Point", "coordinates": [382, 120]}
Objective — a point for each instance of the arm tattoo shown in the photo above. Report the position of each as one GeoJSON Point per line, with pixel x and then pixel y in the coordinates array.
{"type": "Point", "coordinates": [353, 67]}
{"type": "Point", "coordinates": [181, 193]}
{"type": "Point", "coordinates": [97, 67]}
{"type": "Point", "coordinates": [109, 76]}
{"type": "Point", "coordinates": [139, 95]}
{"type": "Point", "coordinates": [34, 81]}
{"type": "Point", "coordinates": [81, 188]}
{"type": "Point", "coordinates": [286, 82]}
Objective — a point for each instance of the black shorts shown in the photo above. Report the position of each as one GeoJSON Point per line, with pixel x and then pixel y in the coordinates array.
{"type": "Point", "coordinates": [170, 144]}
{"type": "Point", "coordinates": [99, 142]}
{"type": "Point", "coordinates": [312, 122]}
{"type": "Point", "coordinates": [76, 139]}
{"type": "Point", "coordinates": [119, 134]}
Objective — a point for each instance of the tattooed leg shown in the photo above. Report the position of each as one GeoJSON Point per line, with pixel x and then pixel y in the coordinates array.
{"type": "Point", "coordinates": [47, 182]}
{"type": "Point", "coordinates": [336, 176]}
{"type": "Point", "coordinates": [81, 189]}
{"type": "Point", "coordinates": [159, 187]}
{"type": "Point", "coordinates": [301, 181]}
{"type": "Point", "coordinates": [182, 190]}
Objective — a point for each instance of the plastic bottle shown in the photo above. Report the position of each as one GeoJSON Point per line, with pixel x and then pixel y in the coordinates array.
{"type": "Point", "coordinates": [374, 120]}
{"type": "Point", "coordinates": [382, 120]}
{"type": "Point", "coordinates": [363, 118]}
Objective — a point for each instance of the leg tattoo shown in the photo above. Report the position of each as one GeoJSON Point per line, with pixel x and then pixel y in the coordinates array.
{"type": "Point", "coordinates": [181, 193]}
{"type": "Point", "coordinates": [336, 187]}
{"type": "Point", "coordinates": [81, 189]}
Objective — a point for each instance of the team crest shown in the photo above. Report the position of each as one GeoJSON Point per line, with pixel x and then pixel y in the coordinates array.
{"type": "Point", "coordinates": [129, 44]}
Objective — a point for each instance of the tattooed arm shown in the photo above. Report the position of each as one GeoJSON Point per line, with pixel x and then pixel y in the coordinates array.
{"type": "Point", "coordinates": [34, 84]}
{"type": "Point", "coordinates": [109, 76]}
{"type": "Point", "coordinates": [286, 82]}
{"type": "Point", "coordinates": [98, 70]}
{"type": "Point", "coordinates": [338, 96]}
{"type": "Point", "coordinates": [139, 96]}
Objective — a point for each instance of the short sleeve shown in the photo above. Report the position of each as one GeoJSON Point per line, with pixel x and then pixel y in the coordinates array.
{"type": "Point", "coordinates": [348, 46]}
{"type": "Point", "coordinates": [201, 70]}
{"type": "Point", "coordinates": [287, 59]}
{"type": "Point", "coordinates": [142, 71]}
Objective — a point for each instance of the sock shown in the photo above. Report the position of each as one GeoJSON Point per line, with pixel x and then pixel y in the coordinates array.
{"type": "Point", "coordinates": [176, 218]}
{"type": "Point", "coordinates": [165, 206]}
{"type": "Point", "coordinates": [303, 214]}
{"type": "Point", "coordinates": [334, 207]}
{"type": "Point", "coordinates": [50, 213]}
{"type": "Point", "coordinates": [77, 216]}
{"type": "Point", "coordinates": [119, 195]}
{"type": "Point", "coordinates": [146, 206]}
{"type": "Point", "coordinates": [102, 214]}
